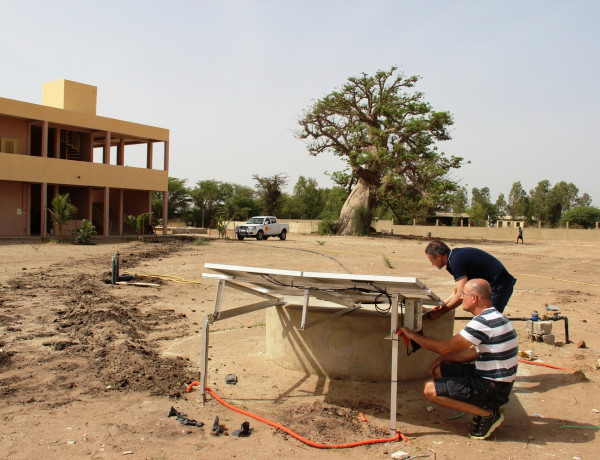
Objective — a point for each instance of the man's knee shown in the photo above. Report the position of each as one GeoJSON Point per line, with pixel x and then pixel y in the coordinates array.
{"type": "Point", "coordinates": [429, 389]}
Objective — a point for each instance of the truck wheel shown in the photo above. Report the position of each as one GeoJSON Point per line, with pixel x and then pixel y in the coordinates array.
{"type": "Point", "coordinates": [260, 235]}
{"type": "Point", "coordinates": [282, 235]}
{"type": "Point", "coordinates": [240, 237]}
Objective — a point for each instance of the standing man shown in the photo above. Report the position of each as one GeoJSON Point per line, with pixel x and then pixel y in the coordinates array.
{"type": "Point", "coordinates": [465, 264]}
{"type": "Point", "coordinates": [491, 341]}
{"type": "Point", "coordinates": [520, 237]}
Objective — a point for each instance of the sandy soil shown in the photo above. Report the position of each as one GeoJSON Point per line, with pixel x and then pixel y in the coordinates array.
{"type": "Point", "coordinates": [90, 370]}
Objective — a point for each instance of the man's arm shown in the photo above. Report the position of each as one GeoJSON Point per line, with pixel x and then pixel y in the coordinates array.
{"type": "Point", "coordinates": [463, 356]}
{"type": "Point", "coordinates": [443, 347]}
{"type": "Point", "coordinates": [454, 299]}
{"type": "Point", "coordinates": [451, 302]}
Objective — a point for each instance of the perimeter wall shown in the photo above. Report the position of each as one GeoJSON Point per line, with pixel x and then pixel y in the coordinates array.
{"type": "Point", "coordinates": [442, 232]}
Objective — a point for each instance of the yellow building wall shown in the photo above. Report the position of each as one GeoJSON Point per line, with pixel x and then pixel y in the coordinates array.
{"type": "Point", "coordinates": [70, 95]}
{"type": "Point", "coordinates": [23, 168]}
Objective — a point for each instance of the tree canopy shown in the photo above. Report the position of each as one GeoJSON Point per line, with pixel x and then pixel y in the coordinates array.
{"type": "Point", "coordinates": [582, 217]}
{"type": "Point", "coordinates": [387, 135]}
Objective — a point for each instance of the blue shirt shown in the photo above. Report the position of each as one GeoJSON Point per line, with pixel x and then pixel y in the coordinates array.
{"type": "Point", "coordinates": [475, 263]}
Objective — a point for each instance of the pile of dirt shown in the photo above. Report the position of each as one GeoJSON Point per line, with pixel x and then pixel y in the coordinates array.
{"type": "Point", "coordinates": [329, 424]}
{"type": "Point", "coordinates": [105, 337]}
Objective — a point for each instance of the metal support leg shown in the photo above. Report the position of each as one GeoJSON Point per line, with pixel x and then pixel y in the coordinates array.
{"type": "Point", "coordinates": [219, 299]}
{"type": "Point", "coordinates": [304, 308]}
{"type": "Point", "coordinates": [394, 377]}
{"type": "Point", "coordinates": [204, 364]}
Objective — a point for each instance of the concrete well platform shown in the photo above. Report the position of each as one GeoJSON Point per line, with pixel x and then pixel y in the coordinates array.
{"type": "Point", "coordinates": [352, 346]}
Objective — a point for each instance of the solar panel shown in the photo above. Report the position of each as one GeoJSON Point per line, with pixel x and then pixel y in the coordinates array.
{"type": "Point", "coordinates": [386, 294]}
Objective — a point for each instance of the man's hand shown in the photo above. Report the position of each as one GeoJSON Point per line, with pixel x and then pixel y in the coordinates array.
{"type": "Point", "coordinates": [434, 368]}
{"type": "Point", "coordinates": [437, 312]}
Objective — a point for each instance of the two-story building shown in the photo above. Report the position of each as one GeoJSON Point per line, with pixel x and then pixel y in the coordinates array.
{"type": "Point", "coordinates": [62, 146]}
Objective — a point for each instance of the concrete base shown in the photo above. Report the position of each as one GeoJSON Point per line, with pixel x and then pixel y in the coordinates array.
{"type": "Point", "coordinates": [352, 346]}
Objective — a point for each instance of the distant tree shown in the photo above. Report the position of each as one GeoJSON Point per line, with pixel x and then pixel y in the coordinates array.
{"type": "Point", "coordinates": [501, 206]}
{"type": "Point", "coordinates": [459, 203]}
{"type": "Point", "coordinates": [562, 197]}
{"type": "Point", "coordinates": [550, 204]}
{"type": "Point", "coordinates": [518, 202]}
{"type": "Point", "coordinates": [270, 192]}
{"type": "Point", "coordinates": [386, 133]}
{"type": "Point", "coordinates": [584, 200]}
{"type": "Point", "coordinates": [582, 217]}
{"type": "Point", "coordinates": [241, 203]}
{"type": "Point", "coordinates": [309, 197]}
{"type": "Point", "coordinates": [178, 200]}
{"type": "Point", "coordinates": [333, 201]}
{"type": "Point", "coordinates": [208, 198]}
{"type": "Point", "coordinates": [62, 211]}
{"type": "Point", "coordinates": [482, 209]}
{"type": "Point", "coordinates": [538, 199]}
{"type": "Point", "coordinates": [290, 207]}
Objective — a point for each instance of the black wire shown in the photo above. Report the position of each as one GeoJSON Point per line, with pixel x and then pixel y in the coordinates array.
{"type": "Point", "coordinates": [381, 292]}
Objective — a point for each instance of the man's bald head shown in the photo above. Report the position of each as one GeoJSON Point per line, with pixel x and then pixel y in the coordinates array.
{"type": "Point", "coordinates": [480, 287]}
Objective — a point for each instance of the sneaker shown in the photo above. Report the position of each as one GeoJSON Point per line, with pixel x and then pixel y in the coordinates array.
{"type": "Point", "coordinates": [477, 419]}
{"type": "Point", "coordinates": [487, 425]}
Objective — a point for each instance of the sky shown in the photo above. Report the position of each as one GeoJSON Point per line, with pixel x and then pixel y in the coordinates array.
{"type": "Point", "coordinates": [230, 79]}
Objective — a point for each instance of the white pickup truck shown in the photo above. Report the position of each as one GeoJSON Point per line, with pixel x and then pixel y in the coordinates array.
{"type": "Point", "coordinates": [261, 228]}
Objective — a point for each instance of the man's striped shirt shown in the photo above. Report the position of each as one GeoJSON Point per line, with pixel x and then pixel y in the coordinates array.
{"type": "Point", "coordinates": [497, 344]}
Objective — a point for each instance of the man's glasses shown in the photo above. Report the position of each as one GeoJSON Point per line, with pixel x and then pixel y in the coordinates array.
{"type": "Point", "coordinates": [464, 294]}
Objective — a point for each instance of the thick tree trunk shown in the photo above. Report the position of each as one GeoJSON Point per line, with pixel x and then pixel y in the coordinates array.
{"type": "Point", "coordinates": [359, 196]}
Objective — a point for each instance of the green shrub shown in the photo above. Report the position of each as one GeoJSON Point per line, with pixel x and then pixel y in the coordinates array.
{"type": "Point", "coordinates": [581, 217]}
{"type": "Point", "coordinates": [328, 227]}
{"type": "Point", "coordinates": [361, 223]}
{"type": "Point", "coordinates": [83, 233]}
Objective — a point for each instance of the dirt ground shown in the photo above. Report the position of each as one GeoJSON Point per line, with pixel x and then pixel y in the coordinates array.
{"type": "Point", "coordinates": [90, 370]}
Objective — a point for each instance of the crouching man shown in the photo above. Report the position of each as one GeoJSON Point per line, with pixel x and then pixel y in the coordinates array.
{"type": "Point", "coordinates": [477, 367]}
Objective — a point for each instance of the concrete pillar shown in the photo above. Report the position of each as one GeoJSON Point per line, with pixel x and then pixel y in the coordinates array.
{"type": "Point", "coordinates": [437, 222]}
{"type": "Point", "coordinates": [165, 212]}
{"type": "Point", "coordinates": [121, 152]}
{"type": "Point", "coordinates": [149, 152]}
{"type": "Point", "coordinates": [44, 139]}
{"type": "Point", "coordinates": [28, 208]}
{"type": "Point", "coordinates": [106, 222]}
{"type": "Point", "coordinates": [106, 152]}
{"type": "Point", "coordinates": [90, 204]}
{"type": "Point", "coordinates": [44, 210]}
{"type": "Point", "coordinates": [120, 223]}
{"type": "Point", "coordinates": [567, 225]}
{"type": "Point", "coordinates": [166, 168]}
{"type": "Point", "coordinates": [57, 143]}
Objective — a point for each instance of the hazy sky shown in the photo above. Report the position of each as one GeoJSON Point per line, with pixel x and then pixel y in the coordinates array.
{"type": "Point", "coordinates": [230, 79]}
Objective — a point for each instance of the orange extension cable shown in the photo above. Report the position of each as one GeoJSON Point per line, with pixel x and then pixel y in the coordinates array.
{"type": "Point", "coordinates": [295, 435]}
{"type": "Point", "coordinates": [524, 361]}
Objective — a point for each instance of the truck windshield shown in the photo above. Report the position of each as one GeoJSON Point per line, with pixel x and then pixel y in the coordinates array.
{"type": "Point", "coordinates": [255, 220]}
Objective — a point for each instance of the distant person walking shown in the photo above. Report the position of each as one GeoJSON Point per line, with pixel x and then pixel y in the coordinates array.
{"type": "Point", "coordinates": [465, 264]}
{"type": "Point", "coordinates": [520, 237]}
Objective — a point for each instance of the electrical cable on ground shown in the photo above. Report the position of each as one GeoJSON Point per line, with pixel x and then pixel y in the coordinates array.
{"type": "Point", "coordinates": [295, 435]}
{"type": "Point", "coordinates": [558, 279]}
{"type": "Point", "coordinates": [524, 361]}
